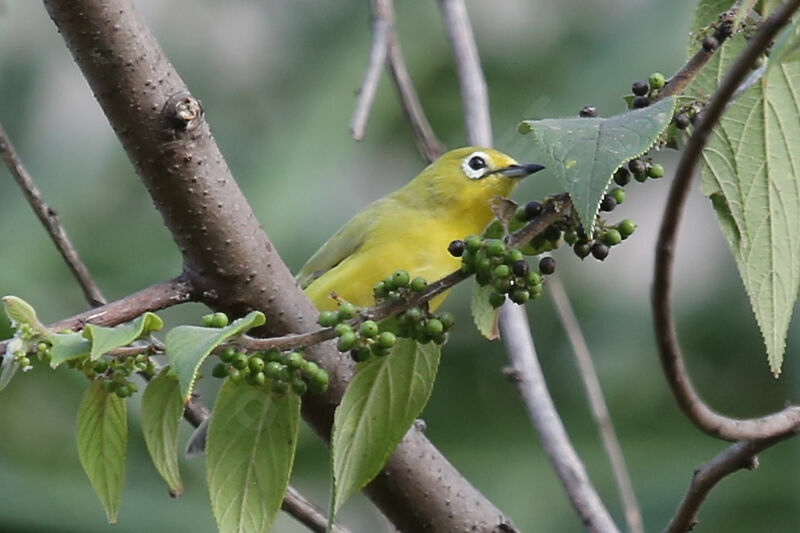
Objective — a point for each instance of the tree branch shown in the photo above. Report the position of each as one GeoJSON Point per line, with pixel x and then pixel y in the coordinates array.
{"type": "Point", "coordinates": [381, 32]}
{"type": "Point", "coordinates": [527, 376]}
{"type": "Point", "coordinates": [678, 378]}
{"type": "Point", "coordinates": [739, 456]}
{"type": "Point", "coordinates": [49, 219]}
{"type": "Point", "coordinates": [594, 393]}
{"type": "Point", "coordinates": [227, 257]}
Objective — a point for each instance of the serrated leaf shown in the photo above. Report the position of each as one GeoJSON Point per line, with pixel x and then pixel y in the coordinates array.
{"type": "Point", "coordinates": [188, 346]}
{"type": "Point", "coordinates": [381, 402]}
{"type": "Point", "coordinates": [105, 339]}
{"type": "Point", "coordinates": [67, 346]}
{"type": "Point", "coordinates": [102, 442]}
{"type": "Point", "coordinates": [162, 408]}
{"type": "Point", "coordinates": [483, 314]}
{"type": "Point", "coordinates": [584, 153]}
{"type": "Point", "coordinates": [21, 312]}
{"type": "Point", "coordinates": [251, 443]}
{"type": "Point", "coordinates": [750, 172]}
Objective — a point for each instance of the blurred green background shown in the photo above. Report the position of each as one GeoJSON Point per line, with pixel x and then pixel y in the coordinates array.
{"type": "Point", "coordinates": [277, 79]}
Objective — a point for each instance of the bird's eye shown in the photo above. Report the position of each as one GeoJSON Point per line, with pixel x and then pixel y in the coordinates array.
{"type": "Point", "coordinates": [477, 163]}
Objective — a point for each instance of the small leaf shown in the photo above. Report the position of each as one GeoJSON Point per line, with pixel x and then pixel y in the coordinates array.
{"type": "Point", "coordinates": [787, 46]}
{"type": "Point", "coordinates": [584, 153]}
{"type": "Point", "coordinates": [251, 443]}
{"type": "Point", "coordinates": [21, 312]}
{"type": "Point", "coordinates": [381, 402]}
{"type": "Point", "coordinates": [8, 367]}
{"type": "Point", "coordinates": [67, 346]}
{"type": "Point", "coordinates": [188, 346]}
{"type": "Point", "coordinates": [102, 440]}
{"type": "Point", "coordinates": [483, 314]}
{"type": "Point", "coordinates": [105, 339]}
{"type": "Point", "coordinates": [162, 408]}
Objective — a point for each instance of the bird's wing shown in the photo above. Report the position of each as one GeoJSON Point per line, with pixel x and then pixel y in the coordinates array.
{"type": "Point", "coordinates": [342, 245]}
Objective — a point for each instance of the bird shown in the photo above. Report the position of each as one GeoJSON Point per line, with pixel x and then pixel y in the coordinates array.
{"type": "Point", "coordinates": [411, 228]}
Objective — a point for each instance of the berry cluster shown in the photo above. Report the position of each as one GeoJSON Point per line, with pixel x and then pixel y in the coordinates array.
{"type": "Point", "coordinates": [644, 91]}
{"type": "Point", "coordinates": [116, 371]}
{"type": "Point", "coordinates": [640, 169]}
{"type": "Point", "coordinates": [215, 320]}
{"type": "Point", "coordinates": [506, 270]}
{"type": "Point", "coordinates": [280, 371]}
{"type": "Point", "coordinates": [687, 115]}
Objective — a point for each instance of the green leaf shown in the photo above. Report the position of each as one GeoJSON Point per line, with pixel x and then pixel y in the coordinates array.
{"type": "Point", "coordinates": [21, 312]}
{"type": "Point", "coordinates": [8, 367]}
{"type": "Point", "coordinates": [102, 440]}
{"type": "Point", "coordinates": [162, 408]}
{"type": "Point", "coordinates": [251, 443]}
{"type": "Point", "coordinates": [188, 346]}
{"type": "Point", "coordinates": [105, 339]}
{"type": "Point", "coordinates": [381, 402]}
{"type": "Point", "coordinates": [66, 346]}
{"type": "Point", "coordinates": [584, 153]}
{"type": "Point", "coordinates": [750, 173]}
{"type": "Point", "coordinates": [483, 314]}
{"type": "Point", "coordinates": [787, 46]}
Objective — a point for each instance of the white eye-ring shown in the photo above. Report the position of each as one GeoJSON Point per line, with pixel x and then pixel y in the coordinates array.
{"type": "Point", "coordinates": [475, 165]}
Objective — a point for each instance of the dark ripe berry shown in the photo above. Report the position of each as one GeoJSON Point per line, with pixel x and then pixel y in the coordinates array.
{"type": "Point", "coordinates": [346, 311]}
{"type": "Point", "coordinates": [682, 121]}
{"type": "Point", "coordinates": [401, 278]}
{"type": "Point", "coordinates": [419, 284]}
{"type": "Point", "coordinates": [612, 237]}
{"type": "Point", "coordinates": [626, 228]}
{"type": "Point", "coordinates": [655, 171]}
{"type": "Point", "coordinates": [640, 101]}
{"type": "Point", "coordinates": [640, 88]}
{"type": "Point", "coordinates": [547, 265]}
{"type": "Point", "coordinates": [657, 80]}
{"type": "Point", "coordinates": [552, 234]}
{"type": "Point", "coordinates": [496, 299]}
{"type": "Point", "coordinates": [473, 243]}
{"type": "Point", "coordinates": [622, 176]}
{"type": "Point", "coordinates": [608, 203]}
{"type": "Point", "coordinates": [456, 248]}
{"type": "Point", "coordinates": [532, 209]}
{"type": "Point", "coordinates": [641, 178]}
{"type": "Point", "coordinates": [599, 250]}
{"type": "Point", "coordinates": [582, 249]}
{"type": "Point", "coordinates": [588, 111]}
{"type": "Point", "coordinates": [637, 166]}
{"type": "Point", "coordinates": [520, 268]}
{"type": "Point", "coordinates": [618, 195]}
{"type": "Point", "coordinates": [710, 43]}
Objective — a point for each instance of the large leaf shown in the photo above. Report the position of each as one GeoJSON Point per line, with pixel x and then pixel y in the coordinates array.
{"type": "Point", "coordinates": [66, 346]}
{"type": "Point", "coordinates": [380, 404]}
{"type": "Point", "coordinates": [21, 312]}
{"type": "Point", "coordinates": [102, 440]}
{"type": "Point", "coordinates": [251, 443]}
{"type": "Point", "coordinates": [483, 314]}
{"type": "Point", "coordinates": [162, 408]}
{"type": "Point", "coordinates": [751, 169]}
{"type": "Point", "coordinates": [584, 153]}
{"type": "Point", "coordinates": [105, 339]}
{"type": "Point", "coordinates": [188, 346]}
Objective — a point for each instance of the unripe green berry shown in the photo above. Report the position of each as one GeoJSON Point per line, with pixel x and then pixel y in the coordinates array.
{"type": "Point", "coordinates": [318, 382]}
{"type": "Point", "coordinates": [299, 387]}
{"type": "Point", "coordinates": [368, 329]}
{"type": "Point", "coordinates": [220, 320]}
{"type": "Point", "coordinates": [346, 341]}
{"type": "Point", "coordinates": [273, 369]}
{"type": "Point", "coordinates": [360, 354]}
{"type": "Point", "coordinates": [110, 386]}
{"type": "Point", "coordinates": [533, 278]}
{"type": "Point", "coordinates": [519, 296]}
{"type": "Point", "coordinates": [401, 278]}
{"type": "Point", "coordinates": [655, 171]}
{"type": "Point", "coordinates": [657, 80]}
{"type": "Point", "coordinates": [502, 285]}
{"type": "Point", "coordinates": [342, 328]}
{"type": "Point", "coordinates": [570, 236]}
{"type": "Point", "coordinates": [501, 271]}
{"type": "Point", "coordinates": [272, 355]}
{"type": "Point", "coordinates": [441, 338]}
{"type": "Point", "coordinates": [311, 369]}
{"type": "Point", "coordinates": [473, 243]}
{"type": "Point", "coordinates": [235, 375]}
{"type": "Point", "coordinates": [220, 371]}
{"type": "Point", "coordinates": [434, 326]}
{"type": "Point", "coordinates": [388, 284]}
{"type": "Point", "coordinates": [386, 339]}
{"type": "Point", "coordinates": [612, 237]}
{"type": "Point", "coordinates": [256, 364]}
{"type": "Point", "coordinates": [227, 354]}
{"type": "Point", "coordinates": [100, 366]}
{"type": "Point", "coordinates": [295, 360]}
{"type": "Point", "coordinates": [328, 318]}
{"type": "Point", "coordinates": [495, 248]}
{"type": "Point", "coordinates": [626, 228]}
{"type": "Point", "coordinates": [280, 387]}
{"type": "Point", "coordinates": [467, 268]}
{"type": "Point", "coordinates": [483, 265]}
{"type": "Point", "coordinates": [448, 319]}
{"type": "Point", "coordinates": [496, 299]}
{"type": "Point", "coordinates": [259, 378]}
{"type": "Point", "coordinates": [123, 391]}
{"type": "Point", "coordinates": [520, 214]}
{"type": "Point", "coordinates": [239, 361]}
{"type": "Point", "coordinates": [419, 284]}
{"type": "Point", "coordinates": [618, 195]}
{"type": "Point", "coordinates": [208, 320]}
{"type": "Point", "coordinates": [346, 311]}
{"type": "Point", "coordinates": [379, 290]}
{"type": "Point", "coordinates": [514, 255]}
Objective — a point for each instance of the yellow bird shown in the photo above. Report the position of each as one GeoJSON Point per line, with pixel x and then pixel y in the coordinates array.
{"type": "Point", "coordinates": [411, 228]}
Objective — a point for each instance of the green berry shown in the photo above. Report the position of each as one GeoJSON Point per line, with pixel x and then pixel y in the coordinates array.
{"type": "Point", "coordinates": [360, 354]}
{"type": "Point", "coordinates": [100, 366]}
{"type": "Point", "coordinates": [123, 391]}
{"type": "Point", "coordinates": [208, 320]}
{"type": "Point", "coordinates": [299, 387]}
{"type": "Point", "coordinates": [483, 265]}
{"type": "Point", "coordinates": [655, 171]}
{"type": "Point", "coordinates": [657, 80]}
{"type": "Point", "coordinates": [295, 360]}
{"type": "Point", "coordinates": [342, 328]}
{"type": "Point", "coordinates": [502, 285]}
{"type": "Point", "coordinates": [386, 339]}
{"type": "Point", "coordinates": [467, 268]}
{"type": "Point", "coordinates": [379, 290]}
{"type": "Point", "coordinates": [285, 374]}
{"type": "Point", "coordinates": [256, 364]}
{"type": "Point", "coordinates": [570, 236]}
{"type": "Point", "coordinates": [413, 314]}
{"type": "Point", "coordinates": [346, 311]}
{"type": "Point", "coordinates": [310, 369]}
{"type": "Point", "coordinates": [227, 354]}
{"type": "Point", "coordinates": [235, 375]}
{"type": "Point", "coordinates": [401, 278]}
{"type": "Point", "coordinates": [514, 255]}
{"type": "Point", "coordinates": [501, 271]}
{"type": "Point", "coordinates": [240, 361]}
{"type": "Point", "coordinates": [456, 248]}
{"type": "Point", "coordinates": [441, 338]}
{"type": "Point", "coordinates": [496, 299]}
{"type": "Point", "coordinates": [346, 341]}
{"type": "Point", "coordinates": [495, 248]}
{"type": "Point", "coordinates": [533, 278]}
{"type": "Point", "coordinates": [434, 327]}
{"type": "Point", "coordinates": [328, 318]}
{"type": "Point", "coordinates": [273, 369]}
{"type": "Point", "coordinates": [272, 355]}
{"type": "Point", "coordinates": [219, 320]}
{"type": "Point", "coordinates": [536, 292]}
{"type": "Point", "coordinates": [259, 378]}
{"type": "Point", "coordinates": [473, 243]}
{"type": "Point", "coordinates": [626, 228]}
{"type": "Point", "coordinates": [419, 284]}
{"type": "Point", "coordinates": [447, 319]}
{"type": "Point", "coordinates": [280, 387]}
{"type": "Point", "coordinates": [368, 329]}
{"type": "Point", "coordinates": [520, 214]}
{"type": "Point", "coordinates": [547, 265]}
{"type": "Point", "coordinates": [388, 284]}
{"type": "Point", "coordinates": [641, 178]}
{"type": "Point", "coordinates": [318, 382]}
{"type": "Point", "coordinates": [220, 371]}
{"type": "Point", "coordinates": [519, 296]}
{"type": "Point", "coordinates": [618, 195]}
{"type": "Point", "coordinates": [612, 237]}
{"type": "Point", "coordinates": [110, 386]}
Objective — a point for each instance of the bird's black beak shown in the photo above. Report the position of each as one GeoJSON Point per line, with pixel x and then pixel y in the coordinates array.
{"type": "Point", "coordinates": [520, 171]}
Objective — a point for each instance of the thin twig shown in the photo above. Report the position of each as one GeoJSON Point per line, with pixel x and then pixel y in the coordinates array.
{"type": "Point", "coordinates": [594, 393]}
{"type": "Point", "coordinates": [474, 94]}
{"type": "Point", "coordinates": [738, 456]}
{"type": "Point", "coordinates": [381, 32]}
{"type": "Point", "coordinates": [49, 219]}
{"type": "Point", "coordinates": [669, 350]}
{"type": "Point", "coordinates": [527, 376]}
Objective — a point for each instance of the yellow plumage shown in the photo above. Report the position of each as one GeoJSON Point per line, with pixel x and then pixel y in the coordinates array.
{"type": "Point", "coordinates": [411, 228]}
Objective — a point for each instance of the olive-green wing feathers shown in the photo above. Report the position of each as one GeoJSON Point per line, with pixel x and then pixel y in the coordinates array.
{"type": "Point", "coordinates": [342, 245]}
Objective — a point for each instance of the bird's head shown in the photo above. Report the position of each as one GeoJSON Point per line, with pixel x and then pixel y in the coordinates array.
{"type": "Point", "coordinates": [473, 175]}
